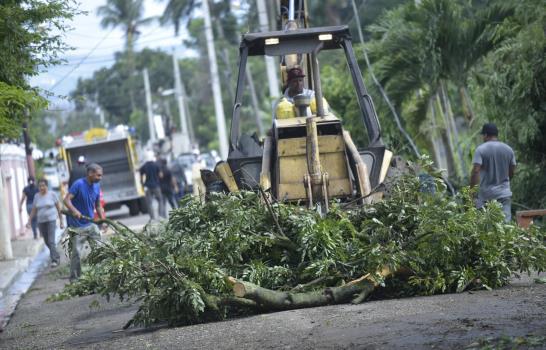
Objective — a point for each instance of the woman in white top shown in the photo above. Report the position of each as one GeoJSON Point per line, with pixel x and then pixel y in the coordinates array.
{"type": "Point", "coordinates": [46, 207]}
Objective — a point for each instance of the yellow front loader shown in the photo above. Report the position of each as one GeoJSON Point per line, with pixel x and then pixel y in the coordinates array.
{"type": "Point", "coordinates": [307, 156]}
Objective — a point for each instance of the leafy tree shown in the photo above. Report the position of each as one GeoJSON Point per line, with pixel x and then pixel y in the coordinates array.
{"type": "Point", "coordinates": [109, 88]}
{"type": "Point", "coordinates": [15, 102]}
{"type": "Point", "coordinates": [31, 38]}
{"type": "Point", "coordinates": [423, 52]}
{"type": "Point", "coordinates": [176, 12]}
{"type": "Point", "coordinates": [511, 89]}
{"type": "Point", "coordinates": [126, 14]}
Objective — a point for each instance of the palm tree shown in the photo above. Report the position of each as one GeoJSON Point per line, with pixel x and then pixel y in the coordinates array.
{"type": "Point", "coordinates": [424, 51]}
{"type": "Point", "coordinates": [176, 12]}
{"type": "Point", "coordinates": [126, 14]}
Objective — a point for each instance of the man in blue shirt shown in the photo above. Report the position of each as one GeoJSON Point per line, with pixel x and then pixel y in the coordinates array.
{"type": "Point", "coordinates": [82, 199]}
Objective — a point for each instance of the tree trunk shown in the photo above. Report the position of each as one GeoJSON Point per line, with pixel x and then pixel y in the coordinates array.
{"type": "Point", "coordinates": [446, 136]}
{"type": "Point", "coordinates": [354, 291]}
{"type": "Point", "coordinates": [28, 151]}
{"type": "Point", "coordinates": [455, 131]}
{"type": "Point", "coordinates": [438, 146]}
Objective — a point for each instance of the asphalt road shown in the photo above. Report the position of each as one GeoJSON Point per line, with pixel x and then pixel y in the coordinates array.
{"type": "Point", "coordinates": [122, 215]}
{"type": "Point", "coordinates": [134, 222]}
{"type": "Point", "coordinates": [452, 321]}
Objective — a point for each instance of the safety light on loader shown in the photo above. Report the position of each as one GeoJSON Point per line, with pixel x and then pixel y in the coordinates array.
{"type": "Point", "coordinates": [325, 37]}
{"type": "Point", "coordinates": [272, 41]}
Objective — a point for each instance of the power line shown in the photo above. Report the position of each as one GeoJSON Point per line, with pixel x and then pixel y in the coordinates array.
{"type": "Point", "coordinates": [381, 90]}
{"type": "Point", "coordinates": [82, 60]}
{"type": "Point", "coordinates": [136, 42]}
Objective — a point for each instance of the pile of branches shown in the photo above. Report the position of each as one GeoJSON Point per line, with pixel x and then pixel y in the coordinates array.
{"type": "Point", "coordinates": [238, 254]}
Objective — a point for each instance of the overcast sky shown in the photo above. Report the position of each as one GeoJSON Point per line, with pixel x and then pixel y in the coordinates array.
{"type": "Point", "coordinates": [89, 39]}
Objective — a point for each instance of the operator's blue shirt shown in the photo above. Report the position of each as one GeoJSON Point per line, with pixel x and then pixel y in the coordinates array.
{"type": "Point", "coordinates": [85, 197]}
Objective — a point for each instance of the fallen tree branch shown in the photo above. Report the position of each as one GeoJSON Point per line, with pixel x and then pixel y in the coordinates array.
{"type": "Point", "coordinates": [118, 226]}
{"type": "Point", "coordinates": [280, 300]}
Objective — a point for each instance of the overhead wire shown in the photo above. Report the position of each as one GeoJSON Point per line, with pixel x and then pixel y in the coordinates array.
{"type": "Point", "coordinates": [82, 60]}
{"type": "Point", "coordinates": [378, 84]}
{"type": "Point", "coordinates": [136, 42]}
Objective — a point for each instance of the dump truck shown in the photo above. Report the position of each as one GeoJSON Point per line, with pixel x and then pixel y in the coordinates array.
{"type": "Point", "coordinates": [307, 156]}
{"type": "Point", "coordinates": [115, 151]}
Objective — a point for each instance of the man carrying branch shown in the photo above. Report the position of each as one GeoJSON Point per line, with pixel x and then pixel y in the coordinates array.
{"type": "Point", "coordinates": [82, 199]}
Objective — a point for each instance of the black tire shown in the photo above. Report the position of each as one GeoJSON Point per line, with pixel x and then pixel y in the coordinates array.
{"type": "Point", "coordinates": [133, 207]}
{"type": "Point", "coordinates": [142, 205]}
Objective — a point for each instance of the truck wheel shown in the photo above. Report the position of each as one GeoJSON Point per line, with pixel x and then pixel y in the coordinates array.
{"type": "Point", "coordinates": [142, 205]}
{"type": "Point", "coordinates": [133, 207]}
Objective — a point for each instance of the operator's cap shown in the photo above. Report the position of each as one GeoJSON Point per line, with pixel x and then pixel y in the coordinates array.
{"type": "Point", "coordinates": [490, 129]}
{"type": "Point", "coordinates": [295, 72]}
{"type": "Point", "coordinates": [81, 159]}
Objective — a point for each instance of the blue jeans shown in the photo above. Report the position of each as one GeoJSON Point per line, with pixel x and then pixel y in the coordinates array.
{"type": "Point", "coordinates": [506, 203]}
{"type": "Point", "coordinates": [506, 207]}
{"type": "Point", "coordinates": [78, 237]}
{"type": "Point", "coordinates": [34, 222]}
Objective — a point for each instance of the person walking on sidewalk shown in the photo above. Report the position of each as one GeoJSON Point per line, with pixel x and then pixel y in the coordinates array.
{"type": "Point", "coordinates": [82, 199]}
{"type": "Point", "coordinates": [150, 176]}
{"type": "Point", "coordinates": [28, 193]}
{"type": "Point", "coordinates": [46, 207]}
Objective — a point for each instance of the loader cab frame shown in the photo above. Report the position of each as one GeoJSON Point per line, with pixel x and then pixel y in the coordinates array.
{"type": "Point", "coordinates": [245, 153]}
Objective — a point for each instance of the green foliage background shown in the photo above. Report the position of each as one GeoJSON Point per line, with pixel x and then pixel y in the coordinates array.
{"type": "Point", "coordinates": [31, 37]}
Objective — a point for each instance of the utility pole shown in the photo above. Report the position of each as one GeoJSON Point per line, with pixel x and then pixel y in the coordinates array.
{"type": "Point", "coordinates": [272, 77]}
{"type": "Point", "coordinates": [186, 146]}
{"type": "Point", "coordinates": [149, 104]}
{"type": "Point", "coordinates": [102, 120]}
{"type": "Point", "coordinates": [188, 115]}
{"type": "Point", "coordinates": [216, 92]}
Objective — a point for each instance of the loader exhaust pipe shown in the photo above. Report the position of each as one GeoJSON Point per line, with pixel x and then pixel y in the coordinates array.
{"type": "Point", "coordinates": [291, 16]}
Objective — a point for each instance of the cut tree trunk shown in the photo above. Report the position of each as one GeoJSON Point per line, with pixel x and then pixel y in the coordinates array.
{"type": "Point", "coordinates": [354, 291]}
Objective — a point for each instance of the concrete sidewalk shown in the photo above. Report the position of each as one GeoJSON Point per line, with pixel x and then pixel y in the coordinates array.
{"type": "Point", "coordinates": [24, 252]}
{"type": "Point", "coordinates": [30, 258]}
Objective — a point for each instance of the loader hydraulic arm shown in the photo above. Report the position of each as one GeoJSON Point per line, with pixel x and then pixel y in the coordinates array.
{"type": "Point", "coordinates": [365, 103]}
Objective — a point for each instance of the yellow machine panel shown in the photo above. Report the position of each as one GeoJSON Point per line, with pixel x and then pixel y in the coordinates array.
{"type": "Point", "coordinates": [292, 167]}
